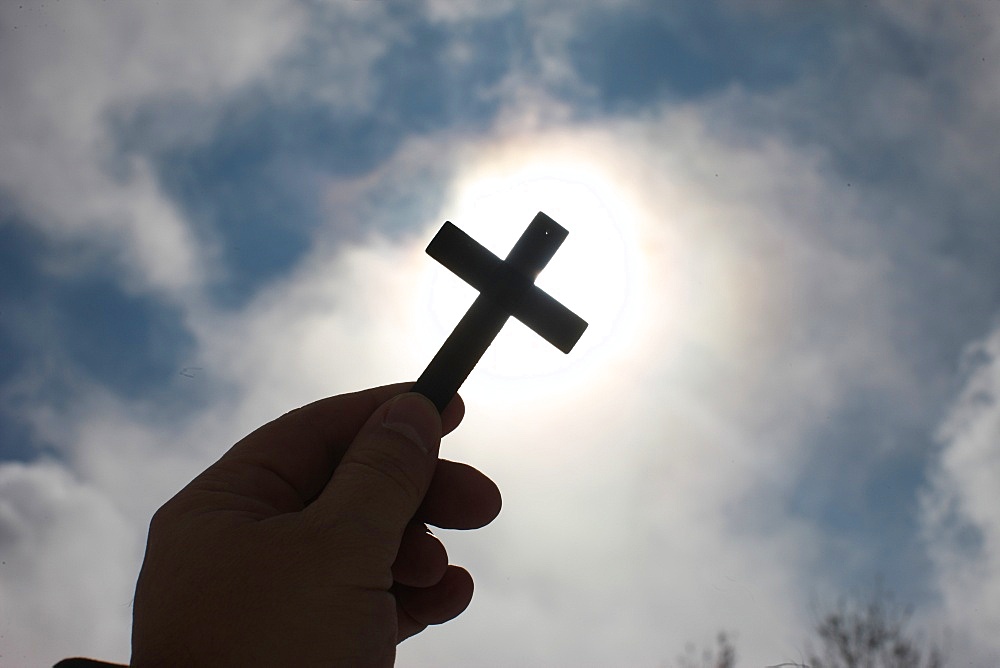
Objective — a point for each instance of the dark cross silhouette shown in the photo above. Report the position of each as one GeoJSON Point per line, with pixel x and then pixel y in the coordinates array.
{"type": "Point", "coordinates": [507, 288]}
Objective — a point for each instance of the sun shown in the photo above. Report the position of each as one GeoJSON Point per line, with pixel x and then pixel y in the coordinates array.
{"type": "Point", "coordinates": [595, 273]}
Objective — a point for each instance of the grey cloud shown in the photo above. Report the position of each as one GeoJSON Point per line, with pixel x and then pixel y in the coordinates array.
{"type": "Point", "coordinates": [66, 66]}
{"type": "Point", "coordinates": [665, 491]}
{"type": "Point", "coordinates": [960, 510]}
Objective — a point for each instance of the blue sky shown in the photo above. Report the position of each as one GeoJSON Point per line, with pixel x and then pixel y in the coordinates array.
{"type": "Point", "coordinates": [782, 229]}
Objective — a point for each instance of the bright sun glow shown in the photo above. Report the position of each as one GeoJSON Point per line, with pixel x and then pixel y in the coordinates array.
{"type": "Point", "coordinates": [593, 273]}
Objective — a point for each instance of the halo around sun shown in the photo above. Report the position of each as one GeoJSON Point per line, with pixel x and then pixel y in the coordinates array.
{"type": "Point", "coordinates": [595, 273]}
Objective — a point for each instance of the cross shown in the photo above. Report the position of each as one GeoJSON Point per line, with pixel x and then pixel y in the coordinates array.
{"type": "Point", "coordinates": [506, 288]}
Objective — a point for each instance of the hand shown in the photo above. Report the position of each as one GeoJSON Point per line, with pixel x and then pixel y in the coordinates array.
{"type": "Point", "coordinates": [305, 544]}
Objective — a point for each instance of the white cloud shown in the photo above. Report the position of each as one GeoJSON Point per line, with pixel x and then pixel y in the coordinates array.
{"type": "Point", "coordinates": [960, 510]}
{"type": "Point", "coordinates": [632, 493]}
{"type": "Point", "coordinates": [644, 508]}
{"type": "Point", "coordinates": [343, 41]}
{"type": "Point", "coordinates": [65, 67]}
{"type": "Point", "coordinates": [69, 562]}
{"type": "Point", "coordinates": [325, 330]}
{"type": "Point", "coordinates": [646, 505]}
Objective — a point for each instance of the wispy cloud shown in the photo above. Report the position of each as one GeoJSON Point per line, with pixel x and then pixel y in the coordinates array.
{"type": "Point", "coordinates": [960, 513]}
{"type": "Point", "coordinates": [804, 250]}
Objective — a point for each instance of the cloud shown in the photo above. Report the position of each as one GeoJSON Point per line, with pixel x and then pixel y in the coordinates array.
{"type": "Point", "coordinates": [723, 464]}
{"type": "Point", "coordinates": [121, 457]}
{"type": "Point", "coordinates": [961, 521]}
{"type": "Point", "coordinates": [333, 324]}
{"type": "Point", "coordinates": [66, 68]}
{"type": "Point", "coordinates": [686, 448]}
{"type": "Point", "coordinates": [68, 565]}
{"type": "Point", "coordinates": [707, 414]}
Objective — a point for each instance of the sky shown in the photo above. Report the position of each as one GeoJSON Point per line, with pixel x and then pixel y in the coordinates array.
{"type": "Point", "coordinates": [783, 230]}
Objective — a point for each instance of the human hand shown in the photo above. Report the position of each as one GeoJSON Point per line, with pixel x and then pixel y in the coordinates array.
{"type": "Point", "coordinates": [305, 544]}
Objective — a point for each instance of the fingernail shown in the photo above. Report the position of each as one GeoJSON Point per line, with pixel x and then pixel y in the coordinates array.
{"type": "Point", "coordinates": [415, 417]}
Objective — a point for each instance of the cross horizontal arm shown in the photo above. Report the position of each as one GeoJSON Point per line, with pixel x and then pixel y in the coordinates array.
{"type": "Point", "coordinates": [549, 319]}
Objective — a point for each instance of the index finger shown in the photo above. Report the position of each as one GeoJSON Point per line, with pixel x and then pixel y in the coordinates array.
{"type": "Point", "coordinates": [304, 446]}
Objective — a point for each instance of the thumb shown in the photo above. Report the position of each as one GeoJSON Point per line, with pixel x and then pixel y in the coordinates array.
{"type": "Point", "coordinates": [381, 480]}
